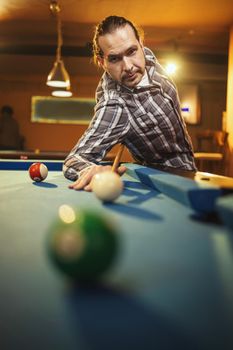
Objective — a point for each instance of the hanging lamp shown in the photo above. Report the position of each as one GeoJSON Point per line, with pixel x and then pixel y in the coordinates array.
{"type": "Point", "coordinates": [62, 92]}
{"type": "Point", "coordinates": [58, 77]}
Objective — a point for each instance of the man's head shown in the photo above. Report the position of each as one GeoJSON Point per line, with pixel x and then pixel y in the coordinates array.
{"type": "Point", "coordinates": [118, 48]}
{"type": "Point", "coordinates": [7, 110]}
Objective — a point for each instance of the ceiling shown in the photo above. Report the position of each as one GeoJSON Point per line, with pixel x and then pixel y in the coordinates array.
{"type": "Point", "coordinates": [194, 27]}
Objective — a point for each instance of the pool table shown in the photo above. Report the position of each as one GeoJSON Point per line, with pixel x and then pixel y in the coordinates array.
{"type": "Point", "coordinates": [170, 286]}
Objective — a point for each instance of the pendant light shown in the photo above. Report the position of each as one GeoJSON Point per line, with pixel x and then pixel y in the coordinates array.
{"type": "Point", "coordinates": [61, 93]}
{"type": "Point", "coordinates": [58, 77]}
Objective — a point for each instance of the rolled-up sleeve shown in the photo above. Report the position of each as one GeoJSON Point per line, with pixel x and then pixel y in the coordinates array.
{"type": "Point", "coordinates": [107, 128]}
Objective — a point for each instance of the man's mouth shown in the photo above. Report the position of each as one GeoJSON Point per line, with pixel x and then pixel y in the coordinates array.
{"type": "Point", "coordinates": [130, 76]}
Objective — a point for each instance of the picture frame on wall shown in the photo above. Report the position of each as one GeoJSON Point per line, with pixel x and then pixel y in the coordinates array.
{"type": "Point", "coordinates": [46, 109]}
{"type": "Point", "coordinates": [190, 103]}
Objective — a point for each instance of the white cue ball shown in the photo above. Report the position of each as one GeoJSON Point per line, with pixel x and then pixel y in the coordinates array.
{"type": "Point", "coordinates": [107, 186]}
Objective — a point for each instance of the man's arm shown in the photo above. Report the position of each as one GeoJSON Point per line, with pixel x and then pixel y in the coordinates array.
{"type": "Point", "coordinates": [107, 128]}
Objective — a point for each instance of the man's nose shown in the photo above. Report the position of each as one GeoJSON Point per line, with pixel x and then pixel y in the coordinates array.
{"type": "Point", "coordinates": [128, 66]}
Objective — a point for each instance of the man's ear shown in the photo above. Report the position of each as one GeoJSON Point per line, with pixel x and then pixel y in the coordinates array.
{"type": "Point", "coordinates": [100, 61]}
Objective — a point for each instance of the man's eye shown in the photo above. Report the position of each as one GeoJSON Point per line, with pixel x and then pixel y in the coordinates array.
{"type": "Point", "coordinates": [114, 59]}
{"type": "Point", "coordinates": [131, 52]}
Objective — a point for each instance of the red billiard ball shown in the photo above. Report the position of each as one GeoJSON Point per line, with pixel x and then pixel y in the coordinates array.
{"type": "Point", "coordinates": [38, 172]}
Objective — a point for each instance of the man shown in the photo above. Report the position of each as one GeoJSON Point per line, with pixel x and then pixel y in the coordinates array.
{"type": "Point", "coordinates": [137, 105]}
{"type": "Point", "coordinates": [10, 138]}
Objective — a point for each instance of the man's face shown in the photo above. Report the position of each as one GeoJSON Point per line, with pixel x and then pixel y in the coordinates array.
{"type": "Point", "coordinates": [123, 56]}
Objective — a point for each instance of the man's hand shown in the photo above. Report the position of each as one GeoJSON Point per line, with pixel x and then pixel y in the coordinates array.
{"type": "Point", "coordinates": [84, 182]}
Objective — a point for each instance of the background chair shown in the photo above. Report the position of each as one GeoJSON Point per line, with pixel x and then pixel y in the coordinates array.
{"type": "Point", "coordinates": [210, 155]}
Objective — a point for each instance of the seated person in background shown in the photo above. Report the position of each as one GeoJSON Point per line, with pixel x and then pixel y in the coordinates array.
{"type": "Point", "coordinates": [136, 105]}
{"type": "Point", "coordinates": [10, 138]}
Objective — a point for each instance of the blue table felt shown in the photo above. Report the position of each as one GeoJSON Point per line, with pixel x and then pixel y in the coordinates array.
{"type": "Point", "coordinates": [170, 287]}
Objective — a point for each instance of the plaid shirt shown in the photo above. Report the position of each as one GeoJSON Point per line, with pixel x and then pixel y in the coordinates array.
{"type": "Point", "coordinates": [147, 120]}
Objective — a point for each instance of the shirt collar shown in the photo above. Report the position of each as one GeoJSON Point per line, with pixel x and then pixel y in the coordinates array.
{"type": "Point", "coordinates": [144, 81]}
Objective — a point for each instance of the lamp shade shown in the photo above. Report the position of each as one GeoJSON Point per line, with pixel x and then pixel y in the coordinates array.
{"type": "Point", "coordinates": [58, 77]}
{"type": "Point", "coordinates": [61, 93]}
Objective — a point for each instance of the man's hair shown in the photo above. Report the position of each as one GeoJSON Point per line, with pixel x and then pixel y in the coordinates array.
{"type": "Point", "coordinates": [109, 25]}
{"type": "Point", "coordinates": [7, 109]}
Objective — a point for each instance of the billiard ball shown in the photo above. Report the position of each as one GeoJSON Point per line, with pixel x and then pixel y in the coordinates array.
{"type": "Point", "coordinates": [82, 245]}
{"type": "Point", "coordinates": [38, 172]}
{"type": "Point", "coordinates": [107, 186]}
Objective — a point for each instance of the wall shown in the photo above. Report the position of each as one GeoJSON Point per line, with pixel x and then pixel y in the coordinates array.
{"type": "Point", "coordinates": [213, 103]}
{"type": "Point", "coordinates": [17, 92]}
{"type": "Point", "coordinates": [229, 112]}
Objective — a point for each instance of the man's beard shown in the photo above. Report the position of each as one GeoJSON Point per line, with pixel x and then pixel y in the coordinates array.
{"type": "Point", "coordinates": [129, 78]}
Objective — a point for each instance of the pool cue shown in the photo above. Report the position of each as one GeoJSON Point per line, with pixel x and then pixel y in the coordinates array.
{"type": "Point", "coordinates": [117, 158]}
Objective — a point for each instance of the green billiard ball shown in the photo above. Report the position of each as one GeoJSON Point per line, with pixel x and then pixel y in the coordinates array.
{"type": "Point", "coordinates": [85, 247]}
